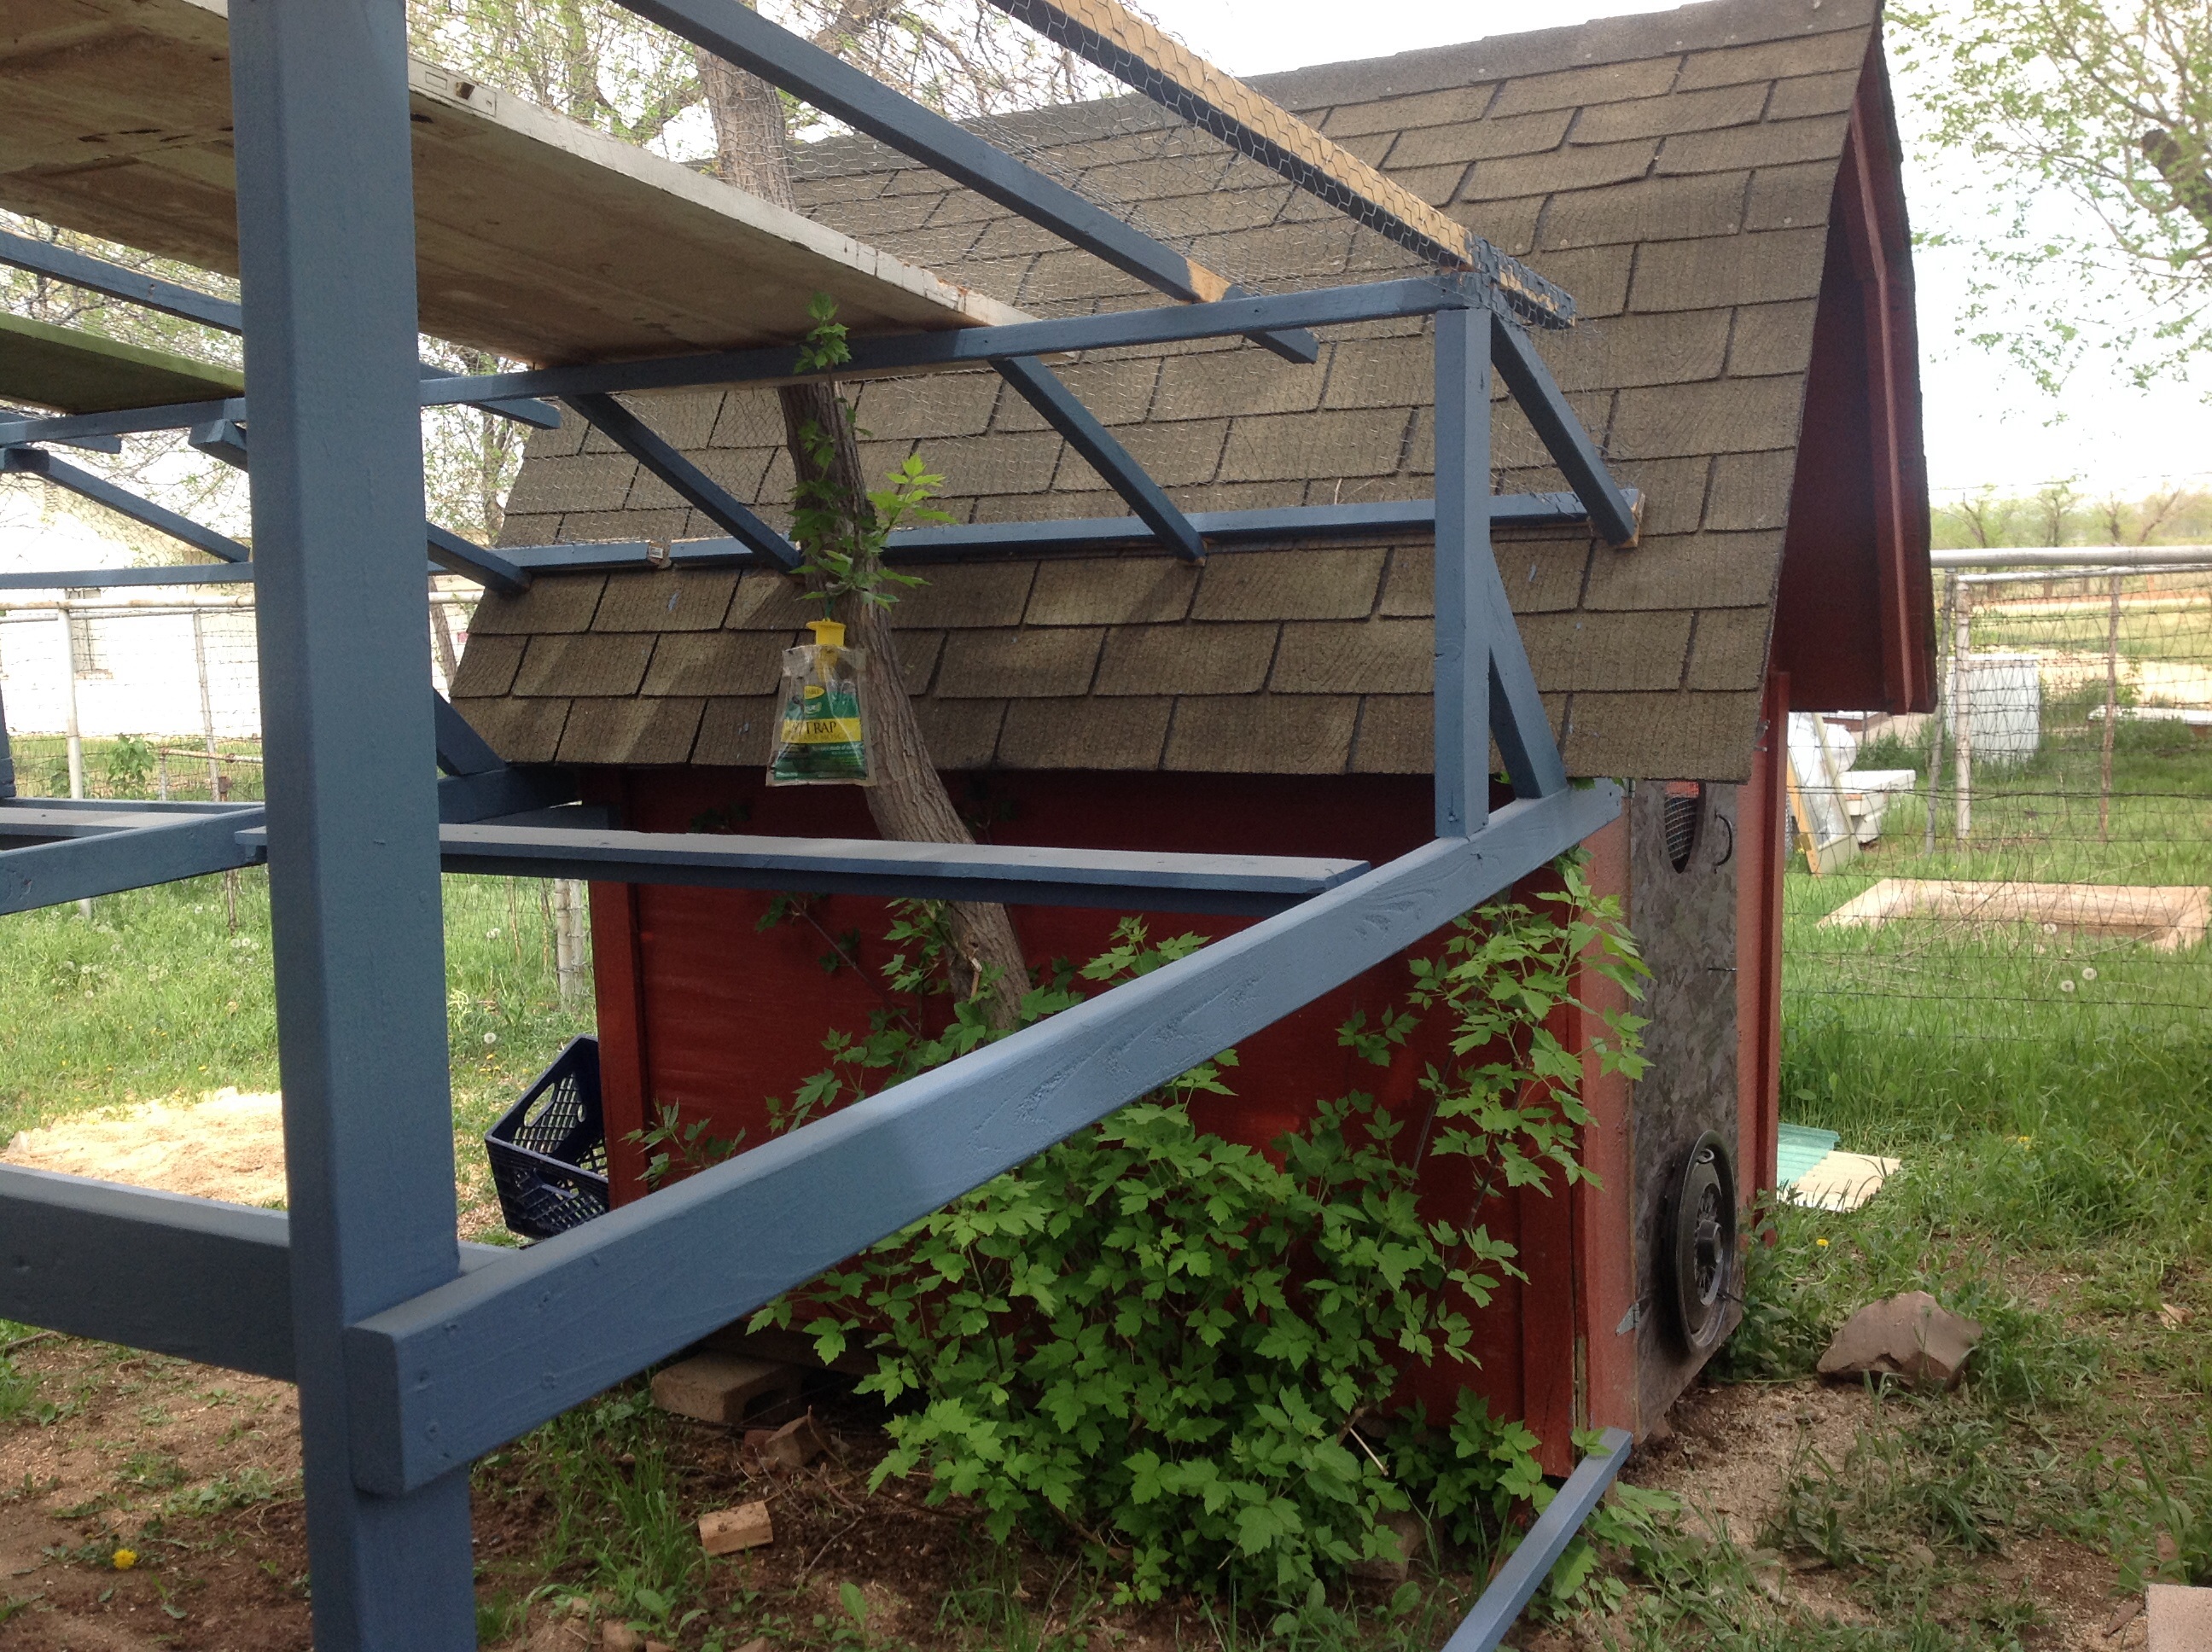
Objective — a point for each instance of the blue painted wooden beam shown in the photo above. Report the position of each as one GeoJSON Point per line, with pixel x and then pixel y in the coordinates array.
{"type": "Point", "coordinates": [1222, 531]}
{"type": "Point", "coordinates": [326, 237]}
{"type": "Point", "coordinates": [77, 868]}
{"type": "Point", "coordinates": [1463, 620]}
{"type": "Point", "coordinates": [160, 1271]}
{"type": "Point", "coordinates": [98, 276]}
{"type": "Point", "coordinates": [871, 356]}
{"type": "Point", "coordinates": [1525, 1569]}
{"type": "Point", "coordinates": [693, 485]}
{"type": "Point", "coordinates": [461, 750]}
{"type": "Point", "coordinates": [1060, 408]}
{"type": "Point", "coordinates": [489, 568]}
{"type": "Point", "coordinates": [91, 578]}
{"type": "Point", "coordinates": [35, 461]}
{"type": "Point", "coordinates": [1612, 511]}
{"type": "Point", "coordinates": [1009, 873]}
{"type": "Point", "coordinates": [741, 36]}
{"type": "Point", "coordinates": [191, 1278]}
{"type": "Point", "coordinates": [875, 357]}
{"type": "Point", "coordinates": [438, 1381]}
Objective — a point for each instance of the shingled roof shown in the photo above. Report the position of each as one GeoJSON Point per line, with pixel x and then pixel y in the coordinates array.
{"type": "Point", "coordinates": [1673, 172]}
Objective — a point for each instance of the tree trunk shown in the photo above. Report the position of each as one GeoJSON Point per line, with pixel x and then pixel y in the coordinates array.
{"type": "Point", "coordinates": [909, 801]}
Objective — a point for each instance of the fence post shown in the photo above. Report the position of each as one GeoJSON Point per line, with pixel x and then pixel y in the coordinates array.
{"type": "Point", "coordinates": [2112, 716]}
{"type": "Point", "coordinates": [1962, 711]}
{"type": "Point", "coordinates": [75, 738]}
{"type": "Point", "coordinates": [570, 963]}
{"type": "Point", "coordinates": [207, 707]}
{"type": "Point", "coordinates": [1946, 689]}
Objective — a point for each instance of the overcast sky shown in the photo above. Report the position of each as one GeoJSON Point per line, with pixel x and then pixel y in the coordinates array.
{"type": "Point", "coordinates": [1986, 425]}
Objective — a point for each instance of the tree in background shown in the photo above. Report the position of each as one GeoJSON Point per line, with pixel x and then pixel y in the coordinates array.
{"type": "Point", "coordinates": [2102, 108]}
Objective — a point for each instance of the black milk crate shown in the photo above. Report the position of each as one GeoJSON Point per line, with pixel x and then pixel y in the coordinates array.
{"type": "Point", "coordinates": [548, 1152]}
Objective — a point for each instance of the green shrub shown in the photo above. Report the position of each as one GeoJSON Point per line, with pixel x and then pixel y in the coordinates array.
{"type": "Point", "coordinates": [1178, 1354]}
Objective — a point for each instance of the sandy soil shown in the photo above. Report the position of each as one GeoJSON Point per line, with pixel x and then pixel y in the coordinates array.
{"type": "Point", "coordinates": [228, 1145]}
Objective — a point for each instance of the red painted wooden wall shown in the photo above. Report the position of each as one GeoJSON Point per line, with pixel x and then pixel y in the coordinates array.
{"type": "Point", "coordinates": [701, 1009]}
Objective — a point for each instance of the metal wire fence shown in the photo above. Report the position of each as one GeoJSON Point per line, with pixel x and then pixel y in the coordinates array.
{"type": "Point", "coordinates": [2021, 880]}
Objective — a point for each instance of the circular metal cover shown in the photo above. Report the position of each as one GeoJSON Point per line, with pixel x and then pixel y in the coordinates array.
{"type": "Point", "coordinates": [1698, 1272]}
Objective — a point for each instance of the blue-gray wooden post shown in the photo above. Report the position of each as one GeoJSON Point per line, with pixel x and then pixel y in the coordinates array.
{"type": "Point", "coordinates": [1462, 643]}
{"type": "Point", "coordinates": [327, 248]}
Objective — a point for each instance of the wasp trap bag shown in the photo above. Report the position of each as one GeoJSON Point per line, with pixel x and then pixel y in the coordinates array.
{"type": "Point", "coordinates": [820, 739]}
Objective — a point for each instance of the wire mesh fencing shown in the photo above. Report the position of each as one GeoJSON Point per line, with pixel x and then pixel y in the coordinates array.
{"type": "Point", "coordinates": [2018, 886]}
{"type": "Point", "coordinates": [150, 697]}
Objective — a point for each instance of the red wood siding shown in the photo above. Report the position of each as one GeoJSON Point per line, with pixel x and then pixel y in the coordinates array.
{"type": "Point", "coordinates": [702, 1010]}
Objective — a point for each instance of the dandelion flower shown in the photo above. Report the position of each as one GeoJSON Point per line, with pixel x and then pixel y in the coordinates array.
{"type": "Point", "coordinates": [2088, 972]}
{"type": "Point", "coordinates": [490, 1039]}
{"type": "Point", "coordinates": [125, 1559]}
{"type": "Point", "coordinates": [1821, 1243]}
{"type": "Point", "coordinates": [2065, 986]}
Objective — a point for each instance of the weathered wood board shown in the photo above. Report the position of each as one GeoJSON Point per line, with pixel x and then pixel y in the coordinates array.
{"type": "Point", "coordinates": [75, 372]}
{"type": "Point", "coordinates": [535, 236]}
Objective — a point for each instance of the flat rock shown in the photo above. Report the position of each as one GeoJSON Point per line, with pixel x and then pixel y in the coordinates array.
{"type": "Point", "coordinates": [721, 1388]}
{"type": "Point", "coordinates": [1912, 1336]}
{"type": "Point", "coordinates": [2180, 1619]}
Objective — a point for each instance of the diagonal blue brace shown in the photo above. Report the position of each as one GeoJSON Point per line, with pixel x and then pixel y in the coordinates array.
{"type": "Point", "coordinates": [741, 36]}
{"type": "Point", "coordinates": [35, 461]}
{"type": "Point", "coordinates": [98, 276]}
{"type": "Point", "coordinates": [690, 484]}
{"type": "Point", "coordinates": [1538, 396]}
{"type": "Point", "coordinates": [1060, 408]}
{"type": "Point", "coordinates": [1526, 1568]}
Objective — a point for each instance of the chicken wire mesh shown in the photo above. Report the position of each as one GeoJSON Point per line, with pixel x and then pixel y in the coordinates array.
{"type": "Point", "coordinates": [2020, 881]}
{"type": "Point", "coordinates": [151, 697]}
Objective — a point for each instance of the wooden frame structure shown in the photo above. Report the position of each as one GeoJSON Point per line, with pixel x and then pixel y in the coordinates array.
{"type": "Point", "coordinates": [415, 1354]}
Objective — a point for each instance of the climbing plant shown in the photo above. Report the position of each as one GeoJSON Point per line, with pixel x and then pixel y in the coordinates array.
{"type": "Point", "coordinates": [1179, 1354]}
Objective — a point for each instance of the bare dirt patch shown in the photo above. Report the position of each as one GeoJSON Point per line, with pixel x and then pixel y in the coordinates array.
{"type": "Point", "coordinates": [228, 1145]}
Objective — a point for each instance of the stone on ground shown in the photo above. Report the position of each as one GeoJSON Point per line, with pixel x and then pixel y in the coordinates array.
{"type": "Point", "coordinates": [2180, 1619]}
{"type": "Point", "coordinates": [720, 1389]}
{"type": "Point", "coordinates": [1912, 1336]}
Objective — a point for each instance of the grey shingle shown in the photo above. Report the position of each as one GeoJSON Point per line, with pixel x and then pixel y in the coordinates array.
{"type": "Point", "coordinates": [714, 664]}
{"type": "Point", "coordinates": [1445, 107]}
{"type": "Point", "coordinates": [1589, 167]}
{"type": "Point", "coordinates": [1482, 140]}
{"type": "Point", "coordinates": [1289, 585]}
{"type": "Point", "coordinates": [1263, 447]}
{"type": "Point", "coordinates": [1622, 351]}
{"type": "Point", "coordinates": [487, 666]}
{"type": "Point", "coordinates": [589, 664]}
{"type": "Point", "coordinates": [1724, 269]}
{"type": "Point", "coordinates": [1766, 61]}
{"type": "Point", "coordinates": [1727, 416]}
{"type": "Point", "coordinates": [1790, 198]}
{"type": "Point", "coordinates": [1814, 94]}
{"type": "Point", "coordinates": [1261, 734]}
{"type": "Point", "coordinates": [1599, 84]}
{"type": "Point", "coordinates": [1245, 381]}
{"type": "Point", "coordinates": [1616, 652]}
{"type": "Point", "coordinates": [521, 731]}
{"type": "Point", "coordinates": [1722, 570]}
{"type": "Point", "coordinates": [964, 595]}
{"type": "Point", "coordinates": [1774, 144]}
{"type": "Point", "coordinates": [1375, 656]}
{"type": "Point", "coordinates": [553, 601]}
{"type": "Point", "coordinates": [1085, 733]}
{"type": "Point", "coordinates": [589, 482]}
{"type": "Point", "coordinates": [734, 733]}
{"type": "Point", "coordinates": [1396, 735]}
{"type": "Point", "coordinates": [1729, 650]}
{"type": "Point", "coordinates": [630, 732]}
{"type": "Point", "coordinates": [1019, 664]}
{"type": "Point", "coordinates": [960, 734]}
{"type": "Point", "coordinates": [1118, 590]}
{"type": "Point", "coordinates": [1751, 490]}
{"type": "Point", "coordinates": [1682, 735]}
{"type": "Point", "coordinates": [1647, 209]}
{"type": "Point", "coordinates": [670, 599]}
{"type": "Point", "coordinates": [1772, 338]}
{"type": "Point", "coordinates": [1661, 117]}
{"type": "Point", "coordinates": [1170, 659]}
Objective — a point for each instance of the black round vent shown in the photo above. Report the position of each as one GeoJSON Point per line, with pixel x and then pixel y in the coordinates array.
{"type": "Point", "coordinates": [1698, 1272]}
{"type": "Point", "coordinates": [1686, 807]}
